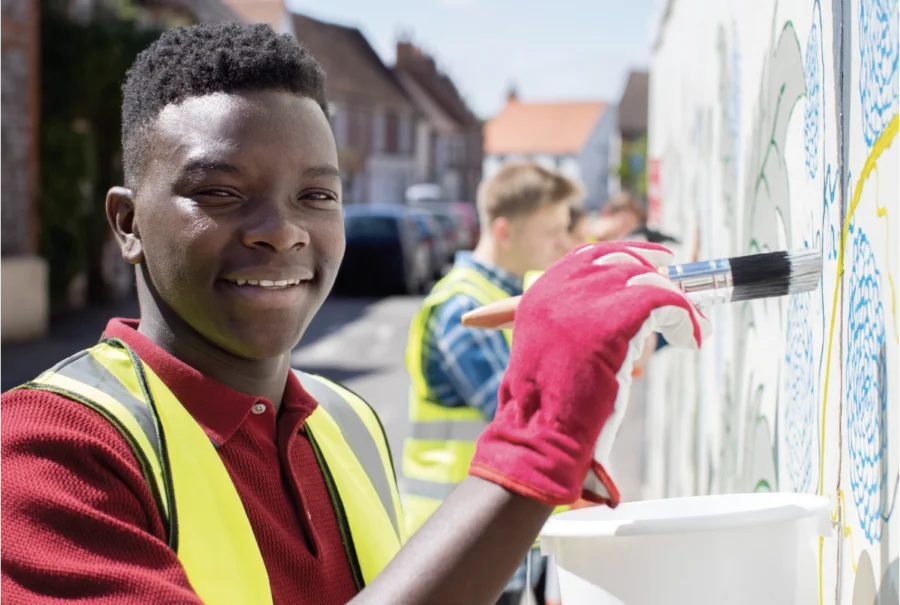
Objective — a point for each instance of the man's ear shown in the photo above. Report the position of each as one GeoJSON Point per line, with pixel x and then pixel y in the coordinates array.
{"type": "Point", "coordinates": [500, 229]}
{"type": "Point", "coordinates": [120, 214]}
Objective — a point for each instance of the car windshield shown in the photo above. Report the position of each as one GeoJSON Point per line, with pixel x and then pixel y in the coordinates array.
{"type": "Point", "coordinates": [370, 226]}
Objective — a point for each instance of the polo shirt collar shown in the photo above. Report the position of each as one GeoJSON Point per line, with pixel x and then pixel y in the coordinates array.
{"type": "Point", "coordinates": [217, 408]}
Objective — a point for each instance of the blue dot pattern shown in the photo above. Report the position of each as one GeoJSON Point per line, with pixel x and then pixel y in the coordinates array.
{"type": "Point", "coordinates": [812, 118]}
{"type": "Point", "coordinates": [799, 385]}
{"type": "Point", "coordinates": [866, 388]}
{"type": "Point", "coordinates": [878, 75]}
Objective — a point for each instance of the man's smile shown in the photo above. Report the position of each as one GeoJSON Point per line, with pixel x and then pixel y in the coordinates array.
{"type": "Point", "coordinates": [268, 287]}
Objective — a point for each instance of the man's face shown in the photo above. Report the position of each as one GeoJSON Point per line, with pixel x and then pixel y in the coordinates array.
{"type": "Point", "coordinates": [539, 239]}
{"type": "Point", "coordinates": [238, 213]}
{"type": "Point", "coordinates": [578, 234]}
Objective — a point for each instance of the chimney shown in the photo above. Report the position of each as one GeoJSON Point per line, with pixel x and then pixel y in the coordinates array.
{"type": "Point", "coordinates": [512, 96]}
{"type": "Point", "coordinates": [412, 58]}
{"type": "Point", "coordinates": [406, 54]}
{"type": "Point", "coordinates": [273, 12]}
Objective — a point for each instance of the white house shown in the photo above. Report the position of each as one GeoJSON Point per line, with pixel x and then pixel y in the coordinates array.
{"type": "Point", "coordinates": [572, 137]}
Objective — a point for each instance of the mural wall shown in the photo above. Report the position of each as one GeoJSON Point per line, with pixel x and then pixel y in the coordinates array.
{"type": "Point", "coordinates": [774, 125]}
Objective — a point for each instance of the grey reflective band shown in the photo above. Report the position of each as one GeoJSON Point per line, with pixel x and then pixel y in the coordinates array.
{"type": "Point", "coordinates": [429, 489]}
{"type": "Point", "coordinates": [358, 437]}
{"type": "Point", "coordinates": [84, 368]}
{"type": "Point", "coordinates": [448, 430]}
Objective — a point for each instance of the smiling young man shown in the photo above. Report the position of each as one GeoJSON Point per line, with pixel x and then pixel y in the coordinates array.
{"type": "Point", "coordinates": [181, 460]}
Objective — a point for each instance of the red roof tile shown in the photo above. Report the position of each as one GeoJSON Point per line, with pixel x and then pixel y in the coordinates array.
{"type": "Point", "coordinates": [532, 128]}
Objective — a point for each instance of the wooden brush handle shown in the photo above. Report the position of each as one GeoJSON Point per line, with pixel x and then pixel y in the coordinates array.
{"type": "Point", "coordinates": [494, 316]}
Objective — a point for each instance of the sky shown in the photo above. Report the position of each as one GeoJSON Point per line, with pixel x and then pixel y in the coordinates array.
{"type": "Point", "coordinates": [551, 51]}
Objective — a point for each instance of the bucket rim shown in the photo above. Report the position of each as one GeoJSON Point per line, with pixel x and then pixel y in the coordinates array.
{"type": "Point", "coordinates": [782, 508]}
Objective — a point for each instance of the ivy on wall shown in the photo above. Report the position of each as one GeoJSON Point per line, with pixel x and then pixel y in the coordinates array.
{"type": "Point", "coordinates": [633, 169]}
{"type": "Point", "coordinates": [82, 68]}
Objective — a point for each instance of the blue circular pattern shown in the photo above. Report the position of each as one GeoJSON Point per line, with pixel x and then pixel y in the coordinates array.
{"type": "Point", "coordinates": [813, 118]}
{"type": "Point", "coordinates": [879, 38]}
{"type": "Point", "coordinates": [800, 388]}
{"type": "Point", "coordinates": [866, 388]}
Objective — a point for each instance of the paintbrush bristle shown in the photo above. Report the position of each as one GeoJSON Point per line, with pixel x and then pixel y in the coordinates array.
{"type": "Point", "coordinates": [774, 274]}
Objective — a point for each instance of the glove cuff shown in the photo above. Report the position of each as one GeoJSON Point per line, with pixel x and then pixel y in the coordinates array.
{"type": "Point", "coordinates": [606, 491]}
{"type": "Point", "coordinates": [544, 466]}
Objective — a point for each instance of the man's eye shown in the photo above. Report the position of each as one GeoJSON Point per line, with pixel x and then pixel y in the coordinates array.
{"type": "Point", "coordinates": [218, 194]}
{"type": "Point", "coordinates": [319, 198]}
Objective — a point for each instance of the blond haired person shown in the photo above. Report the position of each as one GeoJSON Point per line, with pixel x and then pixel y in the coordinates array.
{"type": "Point", "coordinates": [456, 371]}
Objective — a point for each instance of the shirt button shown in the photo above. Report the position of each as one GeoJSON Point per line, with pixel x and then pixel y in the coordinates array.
{"type": "Point", "coordinates": [258, 408]}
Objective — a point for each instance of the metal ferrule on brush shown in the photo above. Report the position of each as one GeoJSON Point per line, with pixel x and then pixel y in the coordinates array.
{"type": "Point", "coordinates": [703, 282]}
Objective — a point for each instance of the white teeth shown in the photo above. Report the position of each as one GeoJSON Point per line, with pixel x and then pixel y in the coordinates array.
{"type": "Point", "coordinates": [267, 283]}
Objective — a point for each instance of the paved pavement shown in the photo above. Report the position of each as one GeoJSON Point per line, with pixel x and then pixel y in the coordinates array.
{"type": "Point", "coordinates": [357, 341]}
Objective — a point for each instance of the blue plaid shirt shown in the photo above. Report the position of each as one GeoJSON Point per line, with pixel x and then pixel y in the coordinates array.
{"type": "Point", "coordinates": [464, 366]}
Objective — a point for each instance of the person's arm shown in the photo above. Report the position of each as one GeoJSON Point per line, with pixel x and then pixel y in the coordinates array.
{"type": "Point", "coordinates": [465, 553]}
{"type": "Point", "coordinates": [560, 401]}
{"type": "Point", "coordinates": [79, 521]}
{"type": "Point", "coordinates": [470, 361]}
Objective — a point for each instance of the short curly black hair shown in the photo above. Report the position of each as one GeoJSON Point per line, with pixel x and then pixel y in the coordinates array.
{"type": "Point", "coordinates": [203, 59]}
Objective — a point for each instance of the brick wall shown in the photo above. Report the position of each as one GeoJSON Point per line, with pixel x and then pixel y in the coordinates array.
{"type": "Point", "coordinates": [20, 110]}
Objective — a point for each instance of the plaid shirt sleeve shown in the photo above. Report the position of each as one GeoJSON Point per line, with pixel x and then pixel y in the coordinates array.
{"type": "Point", "coordinates": [464, 365]}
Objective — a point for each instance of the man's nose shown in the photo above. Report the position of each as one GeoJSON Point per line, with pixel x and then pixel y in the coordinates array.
{"type": "Point", "coordinates": [276, 227]}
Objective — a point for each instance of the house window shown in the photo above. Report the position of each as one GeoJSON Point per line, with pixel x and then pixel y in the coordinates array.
{"type": "Point", "coordinates": [491, 165]}
{"type": "Point", "coordinates": [379, 142]}
{"type": "Point", "coordinates": [392, 132]}
{"type": "Point", "coordinates": [361, 126]}
{"type": "Point", "coordinates": [547, 161]}
{"type": "Point", "coordinates": [406, 133]}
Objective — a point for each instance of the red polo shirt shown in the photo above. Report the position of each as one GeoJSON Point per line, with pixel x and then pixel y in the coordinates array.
{"type": "Point", "coordinates": [79, 522]}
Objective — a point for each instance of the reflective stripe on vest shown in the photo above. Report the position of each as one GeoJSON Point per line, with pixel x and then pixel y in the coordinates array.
{"type": "Point", "coordinates": [207, 525]}
{"type": "Point", "coordinates": [441, 444]}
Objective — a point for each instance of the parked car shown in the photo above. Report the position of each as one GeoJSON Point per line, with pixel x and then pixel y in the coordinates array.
{"type": "Point", "coordinates": [444, 240]}
{"type": "Point", "coordinates": [387, 251]}
{"type": "Point", "coordinates": [468, 223]}
{"type": "Point", "coordinates": [465, 220]}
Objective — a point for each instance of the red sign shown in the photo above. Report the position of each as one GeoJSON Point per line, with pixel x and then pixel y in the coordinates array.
{"type": "Point", "coordinates": [654, 193]}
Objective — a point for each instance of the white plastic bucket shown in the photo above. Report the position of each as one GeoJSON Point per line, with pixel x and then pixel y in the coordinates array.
{"type": "Point", "coordinates": [736, 549]}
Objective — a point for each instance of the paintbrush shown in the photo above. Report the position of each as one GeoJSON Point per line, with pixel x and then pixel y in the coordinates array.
{"type": "Point", "coordinates": [751, 277]}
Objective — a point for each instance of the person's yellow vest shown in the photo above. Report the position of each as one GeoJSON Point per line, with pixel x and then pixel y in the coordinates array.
{"type": "Point", "coordinates": [207, 525]}
{"type": "Point", "coordinates": [441, 445]}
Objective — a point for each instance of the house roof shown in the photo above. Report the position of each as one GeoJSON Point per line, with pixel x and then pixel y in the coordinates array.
{"type": "Point", "coordinates": [551, 128]}
{"type": "Point", "coordinates": [633, 106]}
{"type": "Point", "coordinates": [426, 104]}
{"type": "Point", "coordinates": [442, 90]}
{"type": "Point", "coordinates": [351, 66]}
{"type": "Point", "coordinates": [432, 90]}
{"type": "Point", "coordinates": [204, 11]}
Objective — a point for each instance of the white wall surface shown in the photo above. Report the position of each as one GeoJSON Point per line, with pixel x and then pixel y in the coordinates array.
{"type": "Point", "coordinates": [774, 133]}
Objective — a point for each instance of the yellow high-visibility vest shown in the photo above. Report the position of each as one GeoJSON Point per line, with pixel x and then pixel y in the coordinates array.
{"type": "Point", "coordinates": [207, 525]}
{"type": "Point", "coordinates": [440, 448]}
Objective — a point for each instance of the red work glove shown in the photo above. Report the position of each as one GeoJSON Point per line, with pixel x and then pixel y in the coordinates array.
{"type": "Point", "coordinates": [578, 331]}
